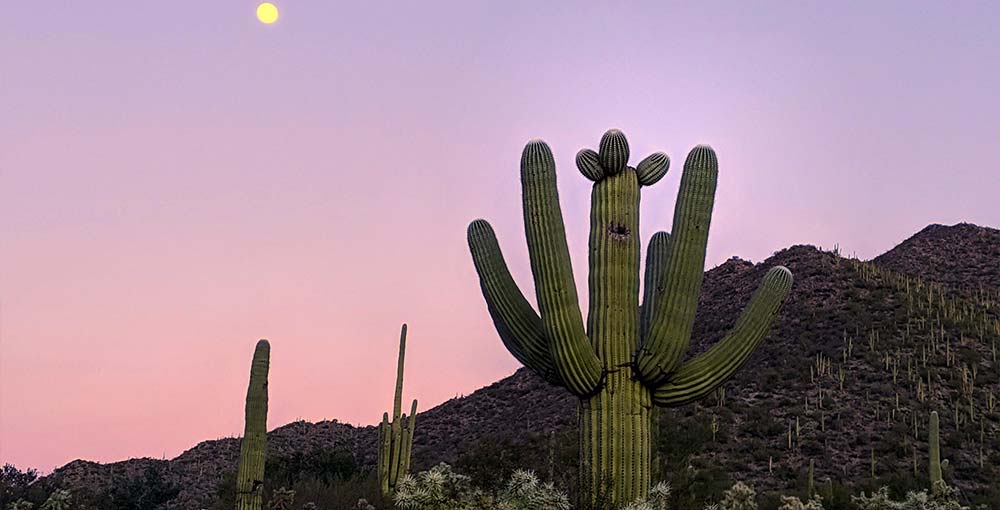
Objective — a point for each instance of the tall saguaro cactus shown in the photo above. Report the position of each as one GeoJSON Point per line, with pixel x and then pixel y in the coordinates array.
{"type": "Point", "coordinates": [628, 357]}
{"type": "Point", "coordinates": [395, 438]}
{"type": "Point", "coordinates": [253, 447]}
{"type": "Point", "coordinates": [934, 444]}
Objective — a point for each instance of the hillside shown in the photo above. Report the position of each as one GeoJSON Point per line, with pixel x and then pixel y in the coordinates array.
{"type": "Point", "coordinates": [859, 356]}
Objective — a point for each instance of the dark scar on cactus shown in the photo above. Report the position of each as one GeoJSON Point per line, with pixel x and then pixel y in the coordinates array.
{"type": "Point", "coordinates": [618, 232]}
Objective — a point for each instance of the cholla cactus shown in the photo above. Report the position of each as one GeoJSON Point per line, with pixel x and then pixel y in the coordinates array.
{"type": "Point", "coordinates": [945, 498]}
{"type": "Point", "coordinates": [439, 488]}
{"type": "Point", "coordinates": [658, 499]}
{"type": "Point", "coordinates": [794, 503]}
{"type": "Point", "coordinates": [739, 497]}
{"type": "Point", "coordinates": [21, 504]}
{"type": "Point", "coordinates": [58, 500]}
{"type": "Point", "coordinates": [525, 492]}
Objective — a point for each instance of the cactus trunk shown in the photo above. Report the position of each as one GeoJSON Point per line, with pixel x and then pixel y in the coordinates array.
{"type": "Point", "coordinates": [615, 442]}
{"type": "Point", "coordinates": [615, 423]}
{"type": "Point", "coordinates": [253, 447]}
{"type": "Point", "coordinates": [629, 357]}
{"type": "Point", "coordinates": [934, 444]}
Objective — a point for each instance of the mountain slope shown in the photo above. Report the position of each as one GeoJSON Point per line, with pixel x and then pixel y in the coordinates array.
{"type": "Point", "coordinates": [859, 356]}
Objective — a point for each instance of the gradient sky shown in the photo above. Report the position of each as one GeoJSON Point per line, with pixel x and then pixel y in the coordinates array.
{"type": "Point", "coordinates": [178, 180]}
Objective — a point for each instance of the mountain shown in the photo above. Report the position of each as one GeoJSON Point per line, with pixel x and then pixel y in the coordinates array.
{"type": "Point", "coordinates": [962, 257]}
{"type": "Point", "coordinates": [860, 354]}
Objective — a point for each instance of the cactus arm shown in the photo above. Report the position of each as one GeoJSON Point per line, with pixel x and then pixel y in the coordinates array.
{"type": "Point", "coordinates": [516, 322]}
{"type": "Point", "coordinates": [673, 318]}
{"type": "Point", "coordinates": [408, 428]}
{"type": "Point", "coordinates": [656, 260]}
{"type": "Point", "coordinates": [397, 400]}
{"type": "Point", "coordinates": [384, 451]}
{"type": "Point", "coordinates": [572, 354]}
{"type": "Point", "coordinates": [253, 446]}
{"type": "Point", "coordinates": [651, 169]}
{"type": "Point", "coordinates": [589, 164]}
{"type": "Point", "coordinates": [702, 375]}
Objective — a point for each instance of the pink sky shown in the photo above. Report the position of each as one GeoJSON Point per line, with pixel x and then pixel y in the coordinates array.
{"type": "Point", "coordinates": [178, 180]}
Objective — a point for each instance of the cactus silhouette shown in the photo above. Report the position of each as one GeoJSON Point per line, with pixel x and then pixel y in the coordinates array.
{"type": "Point", "coordinates": [395, 438]}
{"type": "Point", "coordinates": [628, 358]}
{"type": "Point", "coordinates": [253, 447]}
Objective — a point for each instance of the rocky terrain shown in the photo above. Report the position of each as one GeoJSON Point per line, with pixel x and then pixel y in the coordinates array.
{"type": "Point", "coordinates": [859, 356]}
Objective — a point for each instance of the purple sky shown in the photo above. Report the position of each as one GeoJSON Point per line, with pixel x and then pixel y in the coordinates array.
{"type": "Point", "coordinates": [178, 180]}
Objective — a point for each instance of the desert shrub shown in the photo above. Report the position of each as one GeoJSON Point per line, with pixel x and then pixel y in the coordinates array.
{"type": "Point", "coordinates": [326, 478]}
{"type": "Point", "coordinates": [441, 488]}
{"type": "Point", "coordinates": [15, 484]}
{"type": "Point", "coordinates": [945, 498]}
{"type": "Point", "coordinates": [491, 461]}
{"type": "Point", "coordinates": [794, 503]}
{"type": "Point", "coordinates": [738, 497]}
{"type": "Point", "coordinates": [140, 493]}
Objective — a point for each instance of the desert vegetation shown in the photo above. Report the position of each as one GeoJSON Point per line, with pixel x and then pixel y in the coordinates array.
{"type": "Point", "coordinates": [881, 392]}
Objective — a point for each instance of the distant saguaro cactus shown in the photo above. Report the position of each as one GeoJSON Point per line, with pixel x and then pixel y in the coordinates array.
{"type": "Point", "coordinates": [395, 438]}
{"type": "Point", "coordinates": [253, 447]}
{"type": "Point", "coordinates": [629, 357]}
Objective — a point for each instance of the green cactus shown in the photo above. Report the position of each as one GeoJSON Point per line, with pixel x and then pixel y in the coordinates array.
{"type": "Point", "coordinates": [253, 447]}
{"type": "Point", "coordinates": [395, 438]}
{"type": "Point", "coordinates": [628, 358]}
{"type": "Point", "coordinates": [934, 444]}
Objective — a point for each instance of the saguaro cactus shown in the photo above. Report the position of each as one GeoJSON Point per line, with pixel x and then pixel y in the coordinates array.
{"type": "Point", "coordinates": [253, 447]}
{"type": "Point", "coordinates": [934, 444]}
{"type": "Point", "coordinates": [628, 358]}
{"type": "Point", "coordinates": [395, 438]}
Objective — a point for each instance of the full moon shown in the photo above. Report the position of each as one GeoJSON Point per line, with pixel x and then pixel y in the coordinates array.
{"type": "Point", "coordinates": [267, 13]}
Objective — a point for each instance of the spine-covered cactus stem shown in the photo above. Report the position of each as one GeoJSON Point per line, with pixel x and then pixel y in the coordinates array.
{"type": "Point", "coordinates": [253, 446]}
{"type": "Point", "coordinates": [395, 438]}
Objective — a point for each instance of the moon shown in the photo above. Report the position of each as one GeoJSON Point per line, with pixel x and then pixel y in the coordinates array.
{"type": "Point", "coordinates": [267, 13]}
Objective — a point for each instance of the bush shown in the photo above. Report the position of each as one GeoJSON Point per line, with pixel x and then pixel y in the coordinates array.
{"type": "Point", "coordinates": [441, 488]}
{"type": "Point", "coordinates": [945, 498]}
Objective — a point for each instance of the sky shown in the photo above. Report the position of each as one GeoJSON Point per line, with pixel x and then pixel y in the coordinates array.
{"type": "Point", "coordinates": [178, 180]}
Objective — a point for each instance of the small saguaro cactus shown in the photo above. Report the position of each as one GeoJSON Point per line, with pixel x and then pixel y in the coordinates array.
{"type": "Point", "coordinates": [629, 357]}
{"type": "Point", "coordinates": [395, 438]}
{"type": "Point", "coordinates": [253, 447]}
